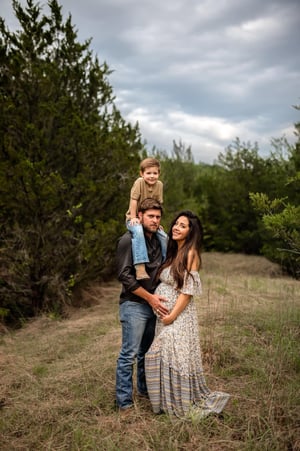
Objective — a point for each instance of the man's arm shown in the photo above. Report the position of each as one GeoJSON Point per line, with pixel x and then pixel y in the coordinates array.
{"type": "Point", "coordinates": [126, 275]}
{"type": "Point", "coordinates": [125, 269]}
{"type": "Point", "coordinates": [154, 300]}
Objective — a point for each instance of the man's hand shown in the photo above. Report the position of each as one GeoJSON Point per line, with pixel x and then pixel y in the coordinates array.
{"type": "Point", "coordinates": [157, 303]}
{"type": "Point", "coordinates": [154, 300]}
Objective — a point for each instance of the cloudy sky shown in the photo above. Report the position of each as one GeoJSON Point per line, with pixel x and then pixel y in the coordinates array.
{"type": "Point", "coordinates": [200, 71]}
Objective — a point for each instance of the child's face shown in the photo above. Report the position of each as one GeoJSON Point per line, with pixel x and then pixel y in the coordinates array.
{"type": "Point", "coordinates": [150, 175]}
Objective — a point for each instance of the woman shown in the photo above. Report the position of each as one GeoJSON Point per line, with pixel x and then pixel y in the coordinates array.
{"type": "Point", "coordinates": [174, 373]}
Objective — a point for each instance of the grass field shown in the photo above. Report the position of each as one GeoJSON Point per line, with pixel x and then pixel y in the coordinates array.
{"type": "Point", "coordinates": [57, 375]}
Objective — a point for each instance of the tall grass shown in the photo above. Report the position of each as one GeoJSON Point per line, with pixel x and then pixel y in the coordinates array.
{"type": "Point", "coordinates": [57, 376]}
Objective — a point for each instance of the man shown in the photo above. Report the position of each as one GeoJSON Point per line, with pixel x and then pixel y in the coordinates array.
{"type": "Point", "coordinates": [137, 305]}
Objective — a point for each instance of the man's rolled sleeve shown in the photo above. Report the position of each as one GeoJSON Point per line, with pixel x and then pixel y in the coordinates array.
{"type": "Point", "coordinates": [125, 264]}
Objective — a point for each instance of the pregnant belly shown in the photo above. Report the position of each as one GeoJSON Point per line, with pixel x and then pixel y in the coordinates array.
{"type": "Point", "coordinates": [168, 293]}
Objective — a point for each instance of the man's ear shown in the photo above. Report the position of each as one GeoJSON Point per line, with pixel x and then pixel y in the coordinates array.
{"type": "Point", "coordinates": [140, 215]}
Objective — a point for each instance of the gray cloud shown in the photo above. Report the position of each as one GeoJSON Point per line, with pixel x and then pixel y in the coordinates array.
{"type": "Point", "coordinates": [199, 71]}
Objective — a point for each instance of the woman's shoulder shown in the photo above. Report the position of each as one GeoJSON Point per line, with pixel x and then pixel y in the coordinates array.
{"type": "Point", "coordinates": [192, 283]}
{"type": "Point", "coordinates": [193, 260]}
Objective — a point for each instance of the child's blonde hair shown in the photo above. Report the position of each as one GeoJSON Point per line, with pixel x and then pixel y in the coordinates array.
{"type": "Point", "coordinates": [149, 163]}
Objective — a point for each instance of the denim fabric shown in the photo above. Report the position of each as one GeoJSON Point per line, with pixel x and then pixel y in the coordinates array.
{"type": "Point", "coordinates": [139, 248]}
{"type": "Point", "coordinates": [163, 239]}
{"type": "Point", "coordinates": [138, 327]}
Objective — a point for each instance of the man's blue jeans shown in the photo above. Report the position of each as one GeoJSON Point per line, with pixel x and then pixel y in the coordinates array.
{"type": "Point", "coordinates": [139, 249]}
{"type": "Point", "coordinates": [138, 327]}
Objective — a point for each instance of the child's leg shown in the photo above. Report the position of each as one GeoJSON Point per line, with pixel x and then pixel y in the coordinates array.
{"type": "Point", "coordinates": [163, 239]}
{"type": "Point", "coordinates": [139, 250]}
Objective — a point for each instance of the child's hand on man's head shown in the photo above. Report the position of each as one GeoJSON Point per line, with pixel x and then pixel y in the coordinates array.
{"type": "Point", "coordinates": [134, 221]}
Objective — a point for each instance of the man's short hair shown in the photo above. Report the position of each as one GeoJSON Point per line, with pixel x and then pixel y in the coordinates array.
{"type": "Point", "coordinates": [150, 204]}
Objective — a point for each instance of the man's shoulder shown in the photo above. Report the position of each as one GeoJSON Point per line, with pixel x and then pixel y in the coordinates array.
{"type": "Point", "coordinates": [125, 239]}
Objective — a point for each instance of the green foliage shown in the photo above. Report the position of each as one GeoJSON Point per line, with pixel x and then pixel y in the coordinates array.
{"type": "Point", "coordinates": [65, 167]}
{"type": "Point", "coordinates": [232, 222]}
{"type": "Point", "coordinates": [232, 225]}
{"type": "Point", "coordinates": [68, 160]}
{"type": "Point", "coordinates": [282, 221]}
{"type": "Point", "coordinates": [281, 212]}
{"type": "Point", "coordinates": [178, 173]}
{"type": "Point", "coordinates": [220, 194]}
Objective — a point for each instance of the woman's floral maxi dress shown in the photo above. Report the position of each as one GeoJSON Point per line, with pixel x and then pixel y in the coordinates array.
{"type": "Point", "coordinates": [174, 372]}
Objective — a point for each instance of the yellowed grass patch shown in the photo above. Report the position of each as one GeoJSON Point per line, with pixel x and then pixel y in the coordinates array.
{"type": "Point", "coordinates": [57, 376]}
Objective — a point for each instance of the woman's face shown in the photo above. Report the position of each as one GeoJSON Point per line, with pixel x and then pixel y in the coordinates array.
{"type": "Point", "coordinates": [180, 229]}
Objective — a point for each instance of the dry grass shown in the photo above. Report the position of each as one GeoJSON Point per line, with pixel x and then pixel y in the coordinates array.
{"type": "Point", "coordinates": [57, 376]}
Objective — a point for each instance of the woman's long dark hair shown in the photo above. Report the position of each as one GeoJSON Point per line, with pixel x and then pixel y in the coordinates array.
{"type": "Point", "coordinates": [178, 258]}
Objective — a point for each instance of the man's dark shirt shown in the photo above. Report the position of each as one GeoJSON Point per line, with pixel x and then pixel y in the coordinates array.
{"type": "Point", "coordinates": [126, 271]}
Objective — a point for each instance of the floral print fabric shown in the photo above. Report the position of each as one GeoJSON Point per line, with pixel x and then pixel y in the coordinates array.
{"type": "Point", "coordinates": [174, 372]}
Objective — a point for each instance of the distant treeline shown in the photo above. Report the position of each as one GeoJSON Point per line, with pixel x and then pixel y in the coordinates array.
{"type": "Point", "coordinates": [248, 203]}
{"type": "Point", "coordinates": [68, 160]}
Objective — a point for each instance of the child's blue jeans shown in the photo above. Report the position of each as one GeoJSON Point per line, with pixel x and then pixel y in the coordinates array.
{"type": "Point", "coordinates": [139, 248]}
